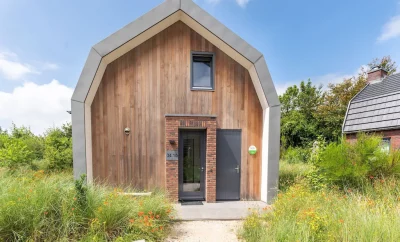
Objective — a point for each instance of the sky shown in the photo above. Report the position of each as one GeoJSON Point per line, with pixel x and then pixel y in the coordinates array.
{"type": "Point", "coordinates": [44, 44]}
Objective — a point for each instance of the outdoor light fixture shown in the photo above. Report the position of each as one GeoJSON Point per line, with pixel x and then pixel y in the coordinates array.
{"type": "Point", "coordinates": [172, 142]}
{"type": "Point", "coordinates": [127, 131]}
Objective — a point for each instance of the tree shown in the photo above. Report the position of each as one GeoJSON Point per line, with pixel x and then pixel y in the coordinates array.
{"type": "Point", "coordinates": [298, 106]}
{"type": "Point", "coordinates": [58, 148]}
{"type": "Point", "coordinates": [385, 63]}
{"type": "Point", "coordinates": [331, 112]}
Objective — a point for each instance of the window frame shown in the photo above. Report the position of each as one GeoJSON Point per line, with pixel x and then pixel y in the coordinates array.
{"type": "Point", "coordinates": [202, 54]}
{"type": "Point", "coordinates": [388, 140]}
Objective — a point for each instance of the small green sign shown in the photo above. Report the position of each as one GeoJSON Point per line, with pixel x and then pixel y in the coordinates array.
{"type": "Point", "coordinates": [252, 150]}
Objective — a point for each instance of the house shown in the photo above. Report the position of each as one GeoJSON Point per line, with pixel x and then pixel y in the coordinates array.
{"type": "Point", "coordinates": [376, 109]}
{"type": "Point", "coordinates": [177, 101]}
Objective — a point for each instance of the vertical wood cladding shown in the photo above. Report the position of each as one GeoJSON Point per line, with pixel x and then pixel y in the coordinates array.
{"type": "Point", "coordinates": [152, 80]}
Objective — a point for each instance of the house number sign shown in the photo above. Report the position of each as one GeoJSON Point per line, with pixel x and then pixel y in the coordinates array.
{"type": "Point", "coordinates": [172, 155]}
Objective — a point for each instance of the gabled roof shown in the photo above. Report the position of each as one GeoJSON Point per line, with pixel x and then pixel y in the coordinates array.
{"type": "Point", "coordinates": [165, 15]}
{"type": "Point", "coordinates": [376, 107]}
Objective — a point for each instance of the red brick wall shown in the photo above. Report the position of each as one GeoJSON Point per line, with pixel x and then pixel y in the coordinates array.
{"type": "Point", "coordinates": [172, 126]}
{"type": "Point", "coordinates": [394, 136]}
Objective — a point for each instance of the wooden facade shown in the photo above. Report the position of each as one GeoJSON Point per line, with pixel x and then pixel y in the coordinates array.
{"type": "Point", "coordinates": [152, 80]}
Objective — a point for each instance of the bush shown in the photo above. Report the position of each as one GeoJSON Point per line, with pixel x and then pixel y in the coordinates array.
{"type": "Point", "coordinates": [301, 214]}
{"type": "Point", "coordinates": [296, 155]}
{"type": "Point", "coordinates": [58, 148]}
{"type": "Point", "coordinates": [14, 153]}
{"type": "Point", "coordinates": [41, 207]}
{"type": "Point", "coordinates": [349, 164]}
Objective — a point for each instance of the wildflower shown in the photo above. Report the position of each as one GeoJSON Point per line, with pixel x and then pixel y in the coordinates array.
{"type": "Point", "coordinates": [72, 209]}
{"type": "Point", "coordinates": [106, 203]}
{"type": "Point", "coordinates": [131, 221]}
{"type": "Point", "coordinates": [341, 221]}
{"type": "Point", "coordinates": [45, 213]}
{"type": "Point", "coordinates": [169, 210]}
{"type": "Point", "coordinates": [157, 216]}
{"type": "Point", "coordinates": [371, 177]}
{"type": "Point", "coordinates": [150, 213]}
{"type": "Point", "coordinates": [74, 198]}
{"type": "Point", "coordinates": [140, 214]}
{"type": "Point", "coordinates": [161, 227]}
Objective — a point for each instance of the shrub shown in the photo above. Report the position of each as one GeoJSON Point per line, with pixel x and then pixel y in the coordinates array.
{"type": "Point", "coordinates": [14, 153]}
{"type": "Point", "coordinates": [349, 164]}
{"type": "Point", "coordinates": [58, 148]}
{"type": "Point", "coordinates": [296, 155]}
{"type": "Point", "coordinates": [42, 207]}
{"type": "Point", "coordinates": [34, 143]}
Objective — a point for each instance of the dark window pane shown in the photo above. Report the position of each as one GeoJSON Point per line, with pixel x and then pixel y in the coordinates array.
{"type": "Point", "coordinates": [202, 71]}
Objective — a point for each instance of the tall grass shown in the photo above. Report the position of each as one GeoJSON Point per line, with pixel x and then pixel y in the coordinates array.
{"type": "Point", "coordinates": [302, 214]}
{"type": "Point", "coordinates": [35, 206]}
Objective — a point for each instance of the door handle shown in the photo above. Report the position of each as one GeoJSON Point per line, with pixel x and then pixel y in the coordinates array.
{"type": "Point", "coordinates": [237, 169]}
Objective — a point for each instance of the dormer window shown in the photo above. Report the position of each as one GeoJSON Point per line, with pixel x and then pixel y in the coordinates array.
{"type": "Point", "coordinates": [202, 71]}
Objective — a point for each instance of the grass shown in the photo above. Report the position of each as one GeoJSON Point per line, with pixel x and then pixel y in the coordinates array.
{"type": "Point", "coordinates": [300, 213]}
{"type": "Point", "coordinates": [35, 206]}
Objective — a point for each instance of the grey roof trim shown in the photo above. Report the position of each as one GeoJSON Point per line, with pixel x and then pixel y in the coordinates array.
{"type": "Point", "coordinates": [220, 30]}
{"type": "Point", "coordinates": [348, 108]}
{"type": "Point", "coordinates": [372, 98]}
{"type": "Point", "coordinates": [158, 14]}
{"type": "Point", "coordinates": [137, 27]}
{"type": "Point", "coordinates": [369, 130]}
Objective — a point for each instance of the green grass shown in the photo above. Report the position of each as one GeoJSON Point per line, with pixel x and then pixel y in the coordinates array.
{"type": "Point", "coordinates": [35, 206]}
{"type": "Point", "coordinates": [299, 213]}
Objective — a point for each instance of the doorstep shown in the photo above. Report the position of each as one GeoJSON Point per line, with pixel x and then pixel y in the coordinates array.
{"type": "Point", "coordinates": [232, 210]}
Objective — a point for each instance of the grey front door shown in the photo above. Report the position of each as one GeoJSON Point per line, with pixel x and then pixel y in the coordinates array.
{"type": "Point", "coordinates": [229, 143]}
{"type": "Point", "coordinates": [192, 156]}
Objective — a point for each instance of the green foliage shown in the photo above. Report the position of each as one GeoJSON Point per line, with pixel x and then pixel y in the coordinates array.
{"type": "Point", "coordinates": [58, 148]}
{"type": "Point", "coordinates": [35, 144]}
{"type": "Point", "coordinates": [41, 207]}
{"type": "Point", "coordinates": [298, 125]}
{"type": "Point", "coordinates": [291, 173]}
{"type": "Point", "coordinates": [296, 155]}
{"type": "Point", "coordinates": [350, 163]}
{"type": "Point", "coordinates": [14, 153]}
{"type": "Point", "coordinates": [385, 63]}
{"type": "Point", "coordinates": [308, 112]}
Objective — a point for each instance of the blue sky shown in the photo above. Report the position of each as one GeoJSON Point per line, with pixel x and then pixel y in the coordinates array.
{"type": "Point", "coordinates": [44, 43]}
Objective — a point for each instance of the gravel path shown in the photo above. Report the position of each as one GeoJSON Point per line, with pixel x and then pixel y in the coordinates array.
{"type": "Point", "coordinates": [199, 231]}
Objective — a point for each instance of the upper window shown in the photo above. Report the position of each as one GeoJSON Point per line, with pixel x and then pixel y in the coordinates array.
{"type": "Point", "coordinates": [202, 71]}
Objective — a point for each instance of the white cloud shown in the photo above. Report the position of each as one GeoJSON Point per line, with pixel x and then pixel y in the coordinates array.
{"type": "Point", "coordinates": [36, 106]}
{"type": "Point", "coordinates": [12, 69]}
{"type": "Point", "coordinates": [242, 3]}
{"type": "Point", "coordinates": [391, 29]}
{"type": "Point", "coordinates": [323, 80]}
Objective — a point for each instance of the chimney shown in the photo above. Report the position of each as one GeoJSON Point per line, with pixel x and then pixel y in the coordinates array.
{"type": "Point", "coordinates": [376, 74]}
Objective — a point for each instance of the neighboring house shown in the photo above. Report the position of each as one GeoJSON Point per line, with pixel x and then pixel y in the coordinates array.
{"type": "Point", "coordinates": [376, 108]}
{"type": "Point", "coordinates": [174, 100]}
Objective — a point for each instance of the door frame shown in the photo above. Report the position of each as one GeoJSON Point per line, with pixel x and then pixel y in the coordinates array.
{"type": "Point", "coordinates": [192, 196]}
{"type": "Point", "coordinates": [240, 165]}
